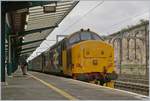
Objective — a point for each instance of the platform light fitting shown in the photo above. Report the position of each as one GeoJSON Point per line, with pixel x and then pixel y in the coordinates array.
{"type": "Point", "coordinates": [25, 10]}
{"type": "Point", "coordinates": [49, 9]}
{"type": "Point", "coordinates": [25, 27]}
{"type": "Point", "coordinates": [27, 18]}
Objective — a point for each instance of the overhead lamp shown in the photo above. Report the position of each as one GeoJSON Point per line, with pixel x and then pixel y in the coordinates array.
{"type": "Point", "coordinates": [49, 9]}
{"type": "Point", "coordinates": [25, 10]}
{"type": "Point", "coordinates": [27, 18]}
{"type": "Point", "coordinates": [25, 26]}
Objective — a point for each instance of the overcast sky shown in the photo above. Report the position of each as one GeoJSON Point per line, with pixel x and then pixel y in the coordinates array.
{"type": "Point", "coordinates": [101, 17]}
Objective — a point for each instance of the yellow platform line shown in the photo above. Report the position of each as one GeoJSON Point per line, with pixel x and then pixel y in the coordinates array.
{"type": "Point", "coordinates": [63, 93]}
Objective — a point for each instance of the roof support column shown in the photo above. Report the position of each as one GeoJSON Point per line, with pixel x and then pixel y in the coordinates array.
{"type": "Point", "coordinates": [3, 15]}
{"type": "Point", "coordinates": [9, 66]}
{"type": "Point", "coordinates": [14, 57]}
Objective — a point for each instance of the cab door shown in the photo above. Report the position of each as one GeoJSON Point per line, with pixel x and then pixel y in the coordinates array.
{"type": "Point", "coordinates": [69, 62]}
{"type": "Point", "coordinates": [64, 61]}
{"type": "Point", "coordinates": [64, 57]}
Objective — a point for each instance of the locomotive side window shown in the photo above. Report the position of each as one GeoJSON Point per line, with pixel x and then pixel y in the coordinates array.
{"type": "Point", "coordinates": [85, 36]}
{"type": "Point", "coordinates": [75, 38]}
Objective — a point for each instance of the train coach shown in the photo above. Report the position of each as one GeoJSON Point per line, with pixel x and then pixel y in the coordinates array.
{"type": "Point", "coordinates": [82, 55]}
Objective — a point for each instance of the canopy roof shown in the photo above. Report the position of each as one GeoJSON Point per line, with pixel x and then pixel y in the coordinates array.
{"type": "Point", "coordinates": [31, 22]}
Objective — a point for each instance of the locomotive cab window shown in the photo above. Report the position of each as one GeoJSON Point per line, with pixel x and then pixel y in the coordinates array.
{"type": "Point", "coordinates": [95, 37]}
{"type": "Point", "coordinates": [74, 39]}
{"type": "Point", "coordinates": [85, 36]}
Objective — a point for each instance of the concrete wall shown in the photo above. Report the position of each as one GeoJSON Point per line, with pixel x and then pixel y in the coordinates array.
{"type": "Point", "coordinates": [131, 49]}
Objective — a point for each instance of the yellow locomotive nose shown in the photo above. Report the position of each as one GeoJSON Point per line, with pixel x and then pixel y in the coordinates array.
{"type": "Point", "coordinates": [93, 56]}
{"type": "Point", "coordinates": [93, 60]}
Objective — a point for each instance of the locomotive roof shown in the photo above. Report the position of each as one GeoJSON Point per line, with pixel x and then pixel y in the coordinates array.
{"type": "Point", "coordinates": [82, 30]}
{"type": "Point", "coordinates": [69, 36]}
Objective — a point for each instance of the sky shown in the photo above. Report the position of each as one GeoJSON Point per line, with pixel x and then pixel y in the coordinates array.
{"type": "Point", "coordinates": [102, 17]}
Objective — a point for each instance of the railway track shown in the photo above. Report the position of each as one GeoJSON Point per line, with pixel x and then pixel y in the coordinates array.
{"type": "Point", "coordinates": [131, 76]}
{"type": "Point", "coordinates": [133, 80]}
{"type": "Point", "coordinates": [133, 87]}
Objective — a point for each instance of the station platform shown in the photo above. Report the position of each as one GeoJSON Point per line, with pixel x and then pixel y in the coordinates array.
{"type": "Point", "coordinates": [39, 86]}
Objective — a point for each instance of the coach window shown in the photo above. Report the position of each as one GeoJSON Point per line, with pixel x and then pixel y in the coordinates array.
{"type": "Point", "coordinates": [75, 38]}
{"type": "Point", "coordinates": [85, 36]}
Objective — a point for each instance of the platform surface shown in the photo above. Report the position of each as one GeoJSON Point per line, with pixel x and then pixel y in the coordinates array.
{"type": "Point", "coordinates": [39, 86]}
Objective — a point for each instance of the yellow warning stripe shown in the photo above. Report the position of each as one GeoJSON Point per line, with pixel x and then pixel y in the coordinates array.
{"type": "Point", "coordinates": [65, 94]}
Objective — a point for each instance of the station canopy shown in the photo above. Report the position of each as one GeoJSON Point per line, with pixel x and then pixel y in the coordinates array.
{"type": "Point", "coordinates": [36, 20]}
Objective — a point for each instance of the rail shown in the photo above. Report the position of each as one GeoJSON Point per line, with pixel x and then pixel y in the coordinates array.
{"type": "Point", "coordinates": [133, 80]}
{"type": "Point", "coordinates": [133, 87]}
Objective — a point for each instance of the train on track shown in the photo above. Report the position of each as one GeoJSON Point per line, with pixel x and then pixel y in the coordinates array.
{"type": "Point", "coordinates": [82, 55]}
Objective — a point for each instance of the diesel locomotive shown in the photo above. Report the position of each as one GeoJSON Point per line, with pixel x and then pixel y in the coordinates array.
{"type": "Point", "coordinates": [82, 55]}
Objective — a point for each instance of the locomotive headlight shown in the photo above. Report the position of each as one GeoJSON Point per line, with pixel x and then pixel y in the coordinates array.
{"type": "Point", "coordinates": [95, 62]}
{"type": "Point", "coordinates": [102, 52]}
{"type": "Point", "coordinates": [87, 52]}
